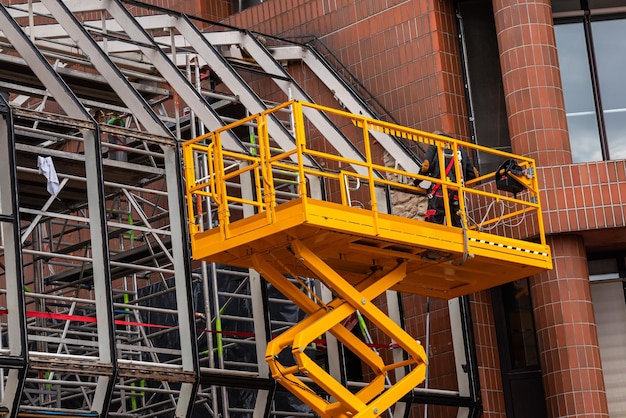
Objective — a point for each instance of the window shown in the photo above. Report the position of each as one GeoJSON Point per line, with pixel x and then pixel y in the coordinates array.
{"type": "Point", "coordinates": [578, 93]}
{"type": "Point", "coordinates": [603, 269]}
{"type": "Point", "coordinates": [609, 40]}
{"type": "Point", "coordinates": [592, 58]}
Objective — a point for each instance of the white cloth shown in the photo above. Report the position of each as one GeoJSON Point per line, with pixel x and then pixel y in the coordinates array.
{"type": "Point", "coordinates": [46, 167]}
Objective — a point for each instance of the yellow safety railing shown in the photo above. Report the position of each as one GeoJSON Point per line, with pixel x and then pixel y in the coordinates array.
{"type": "Point", "coordinates": [216, 177]}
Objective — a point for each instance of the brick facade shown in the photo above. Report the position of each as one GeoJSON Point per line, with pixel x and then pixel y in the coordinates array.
{"type": "Point", "coordinates": [406, 53]}
{"type": "Point", "coordinates": [532, 82]}
{"type": "Point", "coordinates": [566, 331]}
{"type": "Point", "coordinates": [584, 197]}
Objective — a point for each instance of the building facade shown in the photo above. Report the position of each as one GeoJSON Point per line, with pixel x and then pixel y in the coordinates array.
{"type": "Point", "coordinates": [540, 78]}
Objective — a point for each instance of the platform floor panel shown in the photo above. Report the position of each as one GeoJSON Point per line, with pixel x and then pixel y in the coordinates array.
{"type": "Point", "coordinates": [443, 262]}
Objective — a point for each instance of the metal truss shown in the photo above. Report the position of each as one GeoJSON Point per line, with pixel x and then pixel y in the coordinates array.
{"type": "Point", "coordinates": [103, 313]}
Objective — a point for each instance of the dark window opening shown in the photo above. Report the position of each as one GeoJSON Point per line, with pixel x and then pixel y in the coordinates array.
{"type": "Point", "coordinates": [241, 5]}
{"type": "Point", "coordinates": [487, 110]}
{"type": "Point", "coordinates": [519, 353]}
{"type": "Point", "coordinates": [520, 325]}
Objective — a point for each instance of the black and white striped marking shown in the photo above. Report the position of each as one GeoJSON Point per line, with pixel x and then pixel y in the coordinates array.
{"type": "Point", "coordinates": [510, 247]}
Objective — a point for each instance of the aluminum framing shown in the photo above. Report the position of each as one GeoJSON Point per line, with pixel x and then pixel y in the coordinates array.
{"type": "Point", "coordinates": [15, 360]}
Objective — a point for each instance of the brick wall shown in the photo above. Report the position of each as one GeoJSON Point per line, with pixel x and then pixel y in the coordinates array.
{"type": "Point", "coordinates": [404, 52]}
{"type": "Point", "coordinates": [563, 310]}
{"type": "Point", "coordinates": [407, 56]}
{"type": "Point", "coordinates": [532, 81]}
{"type": "Point", "coordinates": [567, 335]}
{"type": "Point", "coordinates": [215, 10]}
{"type": "Point", "coordinates": [586, 196]}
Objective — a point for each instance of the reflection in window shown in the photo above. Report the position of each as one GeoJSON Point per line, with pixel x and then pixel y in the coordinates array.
{"type": "Point", "coordinates": [596, 110]}
{"type": "Point", "coordinates": [609, 40]}
{"type": "Point", "coordinates": [578, 93]}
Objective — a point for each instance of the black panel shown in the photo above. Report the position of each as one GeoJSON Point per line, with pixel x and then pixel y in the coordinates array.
{"type": "Point", "coordinates": [485, 80]}
{"type": "Point", "coordinates": [517, 348]}
{"type": "Point", "coordinates": [560, 6]}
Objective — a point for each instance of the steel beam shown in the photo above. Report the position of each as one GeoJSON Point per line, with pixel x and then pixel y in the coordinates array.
{"type": "Point", "coordinates": [232, 79]}
{"type": "Point", "coordinates": [169, 71]}
{"type": "Point", "coordinates": [93, 159]}
{"type": "Point", "coordinates": [17, 360]}
{"type": "Point", "coordinates": [41, 67]}
{"type": "Point", "coordinates": [135, 102]}
{"type": "Point", "coordinates": [262, 334]}
{"type": "Point", "coordinates": [182, 279]}
{"type": "Point", "coordinates": [293, 91]}
{"type": "Point", "coordinates": [354, 105]}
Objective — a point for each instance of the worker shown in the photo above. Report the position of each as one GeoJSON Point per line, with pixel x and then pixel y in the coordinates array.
{"type": "Point", "coordinates": [430, 167]}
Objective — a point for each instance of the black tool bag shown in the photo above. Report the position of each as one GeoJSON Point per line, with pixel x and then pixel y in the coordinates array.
{"type": "Point", "coordinates": [506, 182]}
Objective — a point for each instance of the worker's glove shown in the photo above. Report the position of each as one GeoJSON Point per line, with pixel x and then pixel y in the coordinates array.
{"type": "Point", "coordinates": [423, 184]}
{"type": "Point", "coordinates": [425, 167]}
{"type": "Point", "coordinates": [476, 174]}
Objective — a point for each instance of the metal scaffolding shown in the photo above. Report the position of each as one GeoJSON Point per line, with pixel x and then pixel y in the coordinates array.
{"type": "Point", "coordinates": [103, 311]}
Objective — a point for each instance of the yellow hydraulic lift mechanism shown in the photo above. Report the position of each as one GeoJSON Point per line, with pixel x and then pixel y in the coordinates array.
{"type": "Point", "coordinates": [262, 209]}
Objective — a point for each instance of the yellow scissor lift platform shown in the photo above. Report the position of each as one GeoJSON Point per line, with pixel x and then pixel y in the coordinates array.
{"type": "Point", "coordinates": [309, 212]}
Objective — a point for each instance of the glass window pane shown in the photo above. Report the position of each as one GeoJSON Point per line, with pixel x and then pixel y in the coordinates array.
{"type": "Point", "coordinates": [579, 104]}
{"type": "Point", "coordinates": [584, 137]}
{"type": "Point", "coordinates": [616, 134]}
{"type": "Point", "coordinates": [609, 40]}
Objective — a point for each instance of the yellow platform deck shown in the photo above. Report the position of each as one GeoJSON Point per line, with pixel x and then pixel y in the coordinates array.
{"type": "Point", "coordinates": [244, 190]}
{"type": "Point", "coordinates": [441, 262]}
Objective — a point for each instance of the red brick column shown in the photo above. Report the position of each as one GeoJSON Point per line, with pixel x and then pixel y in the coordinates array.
{"type": "Point", "coordinates": [532, 82]}
{"type": "Point", "coordinates": [567, 336]}
{"type": "Point", "coordinates": [568, 342]}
